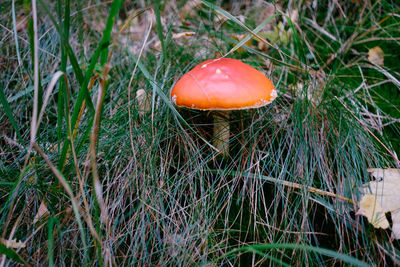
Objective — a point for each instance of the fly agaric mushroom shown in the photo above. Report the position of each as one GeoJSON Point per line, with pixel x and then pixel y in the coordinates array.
{"type": "Point", "coordinates": [223, 85]}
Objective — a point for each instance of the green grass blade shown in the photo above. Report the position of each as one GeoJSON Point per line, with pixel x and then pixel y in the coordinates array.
{"type": "Point", "coordinates": [74, 62]}
{"type": "Point", "coordinates": [63, 66]}
{"type": "Point", "coordinates": [326, 252]}
{"type": "Point", "coordinates": [101, 50]}
{"type": "Point", "coordinates": [65, 42]}
{"type": "Point", "coordinates": [225, 14]}
{"type": "Point", "coordinates": [249, 36]}
{"type": "Point", "coordinates": [231, 17]}
{"type": "Point", "coordinates": [29, 89]}
{"type": "Point", "coordinates": [32, 49]}
{"type": "Point", "coordinates": [160, 28]}
{"type": "Point", "coordinates": [10, 253]}
{"type": "Point", "coordinates": [115, 7]}
{"type": "Point", "coordinates": [74, 203]}
{"type": "Point", "coordinates": [50, 240]}
{"type": "Point", "coordinates": [9, 114]}
{"type": "Point", "coordinates": [298, 44]}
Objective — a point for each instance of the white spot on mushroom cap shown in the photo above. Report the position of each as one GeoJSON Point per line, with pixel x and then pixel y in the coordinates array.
{"type": "Point", "coordinates": [203, 66]}
{"type": "Point", "coordinates": [218, 71]}
{"type": "Point", "coordinates": [173, 99]}
{"type": "Point", "coordinates": [261, 103]}
{"type": "Point", "coordinates": [274, 94]}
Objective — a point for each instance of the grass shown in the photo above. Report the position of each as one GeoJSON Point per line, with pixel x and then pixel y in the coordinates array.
{"type": "Point", "coordinates": [130, 184]}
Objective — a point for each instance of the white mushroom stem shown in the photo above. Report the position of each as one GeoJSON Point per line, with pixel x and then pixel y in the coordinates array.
{"type": "Point", "coordinates": [221, 131]}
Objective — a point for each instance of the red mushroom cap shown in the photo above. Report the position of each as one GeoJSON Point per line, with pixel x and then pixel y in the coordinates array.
{"type": "Point", "coordinates": [223, 84]}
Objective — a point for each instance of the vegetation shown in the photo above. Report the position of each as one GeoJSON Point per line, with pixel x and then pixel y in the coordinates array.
{"type": "Point", "coordinates": [91, 174]}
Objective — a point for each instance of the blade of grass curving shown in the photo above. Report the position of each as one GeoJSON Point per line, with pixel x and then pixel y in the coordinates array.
{"type": "Point", "coordinates": [249, 36]}
{"type": "Point", "coordinates": [60, 177]}
{"type": "Point", "coordinates": [49, 91]}
{"type": "Point", "coordinates": [323, 251]}
{"type": "Point", "coordinates": [9, 114]}
{"type": "Point", "coordinates": [232, 18]}
{"type": "Point", "coordinates": [11, 254]}
{"type": "Point", "coordinates": [29, 89]}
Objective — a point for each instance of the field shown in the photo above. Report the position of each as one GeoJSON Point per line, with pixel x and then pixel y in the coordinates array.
{"type": "Point", "coordinates": [98, 167]}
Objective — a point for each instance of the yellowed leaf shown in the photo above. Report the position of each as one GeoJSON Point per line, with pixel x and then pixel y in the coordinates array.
{"type": "Point", "coordinates": [388, 173]}
{"type": "Point", "coordinates": [176, 36]}
{"type": "Point", "coordinates": [371, 209]}
{"type": "Point", "coordinates": [381, 196]}
{"type": "Point", "coordinates": [375, 55]}
{"type": "Point", "coordinates": [279, 34]}
{"type": "Point", "coordinates": [42, 212]}
{"type": "Point", "coordinates": [240, 37]}
{"type": "Point", "coordinates": [12, 243]}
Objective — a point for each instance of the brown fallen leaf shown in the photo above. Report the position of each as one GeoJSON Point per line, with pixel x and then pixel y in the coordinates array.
{"type": "Point", "coordinates": [144, 103]}
{"type": "Point", "coordinates": [175, 36]}
{"type": "Point", "coordinates": [189, 9]}
{"type": "Point", "coordinates": [381, 196]}
{"type": "Point", "coordinates": [375, 55]}
{"type": "Point", "coordinates": [42, 212]}
{"type": "Point", "coordinates": [371, 209]}
{"type": "Point", "coordinates": [13, 243]}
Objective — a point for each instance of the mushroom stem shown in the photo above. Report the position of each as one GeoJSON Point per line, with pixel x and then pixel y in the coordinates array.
{"type": "Point", "coordinates": [221, 131]}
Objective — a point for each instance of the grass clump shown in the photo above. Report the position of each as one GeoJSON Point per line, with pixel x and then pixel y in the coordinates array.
{"type": "Point", "coordinates": [110, 180]}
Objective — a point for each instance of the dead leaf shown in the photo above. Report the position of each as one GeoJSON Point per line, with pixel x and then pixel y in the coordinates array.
{"type": "Point", "coordinates": [371, 209]}
{"type": "Point", "coordinates": [189, 9]}
{"type": "Point", "coordinates": [175, 36]}
{"type": "Point", "coordinates": [375, 55]}
{"type": "Point", "coordinates": [279, 34]}
{"type": "Point", "coordinates": [381, 196]}
{"type": "Point", "coordinates": [396, 224]}
{"type": "Point", "coordinates": [182, 34]}
{"type": "Point", "coordinates": [13, 243]}
{"type": "Point", "coordinates": [144, 104]}
{"type": "Point", "coordinates": [42, 212]}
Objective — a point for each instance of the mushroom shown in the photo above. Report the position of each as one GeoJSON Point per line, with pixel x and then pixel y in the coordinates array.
{"type": "Point", "coordinates": [222, 85]}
